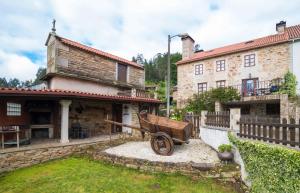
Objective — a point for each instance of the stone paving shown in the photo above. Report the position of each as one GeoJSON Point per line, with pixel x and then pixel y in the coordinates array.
{"type": "Point", "coordinates": [196, 151]}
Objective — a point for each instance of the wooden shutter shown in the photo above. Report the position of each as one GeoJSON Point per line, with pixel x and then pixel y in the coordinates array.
{"type": "Point", "coordinates": [122, 72]}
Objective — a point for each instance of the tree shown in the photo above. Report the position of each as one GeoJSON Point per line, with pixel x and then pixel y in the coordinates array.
{"type": "Point", "coordinates": [39, 75]}
{"type": "Point", "coordinates": [156, 69]}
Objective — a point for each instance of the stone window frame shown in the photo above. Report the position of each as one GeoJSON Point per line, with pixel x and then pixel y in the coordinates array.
{"type": "Point", "coordinates": [202, 87]}
{"type": "Point", "coordinates": [250, 63]}
{"type": "Point", "coordinates": [220, 65]}
{"type": "Point", "coordinates": [221, 83]}
{"type": "Point", "coordinates": [198, 69]}
{"type": "Point", "coordinates": [13, 109]}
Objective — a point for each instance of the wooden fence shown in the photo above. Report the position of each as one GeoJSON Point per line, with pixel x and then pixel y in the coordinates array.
{"type": "Point", "coordinates": [218, 119]}
{"type": "Point", "coordinates": [196, 121]}
{"type": "Point", "coordinates": [270, 130]}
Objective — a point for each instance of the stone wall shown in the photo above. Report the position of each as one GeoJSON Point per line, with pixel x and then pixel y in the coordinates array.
{"type": "Point", "coordinates": [190, 168]}
{"type": "Point", "coordinates": [28, 156]}
{"type": "Point", "coordinates": [271, 62]}
{"type": "Point", "coordinates": [77, 63]}
{"type": "Point", "coordinates": [91, 115]}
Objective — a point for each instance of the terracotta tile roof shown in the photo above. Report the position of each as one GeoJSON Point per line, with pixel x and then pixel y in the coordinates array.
{"type": "Point", "coordinates": [70, 94]}
{"type": "Point", "coordinates": [98, 52]}
{"type": "Point", "coordinates": [292, 32]}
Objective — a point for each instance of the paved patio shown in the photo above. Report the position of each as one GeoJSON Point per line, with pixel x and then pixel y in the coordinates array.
{"type": "Point", "coordinates": [196, 151]}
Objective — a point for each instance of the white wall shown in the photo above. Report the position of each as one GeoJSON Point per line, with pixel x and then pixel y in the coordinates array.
{"type": "Point", "coordinates": [296, 62]}
{"type": "Point", "coordinates": [127, 117]}
{"type": "Point", "coordinates": [81, 86]}
{"type": "Point", "coordinates": [214, 137]}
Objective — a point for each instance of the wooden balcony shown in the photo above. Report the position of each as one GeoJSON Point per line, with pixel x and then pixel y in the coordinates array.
{"type": "Point", "coordinates": [137, 93]}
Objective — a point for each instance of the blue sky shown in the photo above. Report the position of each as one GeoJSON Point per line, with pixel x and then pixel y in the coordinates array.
{"type": "Point", "coordinates": [128, 27]}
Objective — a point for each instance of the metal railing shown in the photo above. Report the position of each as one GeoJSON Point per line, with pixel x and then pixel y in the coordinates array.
{"type": "Point", "coordinates": [258, 88]}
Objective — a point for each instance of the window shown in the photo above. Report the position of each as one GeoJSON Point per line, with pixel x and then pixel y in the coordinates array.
{"type": "Point", "coordinates": [220, 65]}
{"type": "Point", "coordinates": [273, 109]}
{"type": "Point", "coordinates": [122, 73]}
{"type": "Point", "coordinates": [220, 83]}
{"type": "Point", "coordinates": [202, 87]}
{"type": "Point", "coordinates": [249, 60]}
{"type": "Point", "coordinates": [198, 69]}
{"type": "Point", "coordinates": [13, 109]}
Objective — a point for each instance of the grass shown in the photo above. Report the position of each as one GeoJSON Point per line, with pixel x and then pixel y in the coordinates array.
{"type": "Point", "coordinates": [84, 175]}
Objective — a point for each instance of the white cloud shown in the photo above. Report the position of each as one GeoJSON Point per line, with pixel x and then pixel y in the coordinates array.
{"type": "Point", "coordinates": [128, 27]}
{"type": "Point", "coordinates": [16, 66]}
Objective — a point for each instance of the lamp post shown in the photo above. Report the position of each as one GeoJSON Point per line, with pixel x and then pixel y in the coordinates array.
{"type": "Point", "coordinates": [183, 35]}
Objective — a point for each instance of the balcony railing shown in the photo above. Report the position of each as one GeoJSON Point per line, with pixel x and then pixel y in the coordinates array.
{"type": "Point", "coordinates": [258, 88]}
{"type": "Point", "coordinates": [137, 93]}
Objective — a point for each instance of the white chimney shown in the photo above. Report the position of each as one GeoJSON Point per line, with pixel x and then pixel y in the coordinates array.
{"type": "Point", "coordinates": [280, 27]}
{"type": "Point", "coordinates": [187, 47]}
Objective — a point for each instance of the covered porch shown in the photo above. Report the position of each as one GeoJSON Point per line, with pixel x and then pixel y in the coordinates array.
{"type": "Point", "coordinates": [32, 117]}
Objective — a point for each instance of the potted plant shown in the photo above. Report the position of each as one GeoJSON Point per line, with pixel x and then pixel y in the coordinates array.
{"type": "Point", "coordinates": [225, 152]}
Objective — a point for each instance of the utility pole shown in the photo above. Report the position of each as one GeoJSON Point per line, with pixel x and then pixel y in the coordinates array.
{"type": "Point", "coordinates": [168, 77]}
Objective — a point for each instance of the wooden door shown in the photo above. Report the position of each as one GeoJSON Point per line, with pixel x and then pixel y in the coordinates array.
{"type": "Point", "coordinates": [117, 116]}
{"type": "Point", "coordinates": [249, 86]}
{"type": "Point", "coordinates": [122, 73]}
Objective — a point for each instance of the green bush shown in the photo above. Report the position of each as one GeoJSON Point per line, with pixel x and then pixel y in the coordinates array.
{"type": "Point", "coordinates": [225, 148]}
{"type": "Point", "coordinates": [289, 85]}
{"type": "Point", "coordinates": [206, 100]}
{"type": "Point", "coordinates": [178, 114]}
{"type": "Point", "coordinates": [271, 168]}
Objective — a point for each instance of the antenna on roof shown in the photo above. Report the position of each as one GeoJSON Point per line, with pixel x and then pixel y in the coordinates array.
{"type": "Point", "coordinates": [53, 26]}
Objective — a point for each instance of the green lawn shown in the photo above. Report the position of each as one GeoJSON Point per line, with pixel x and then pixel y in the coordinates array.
{"type": "Point", "coordinates": [84, 175]}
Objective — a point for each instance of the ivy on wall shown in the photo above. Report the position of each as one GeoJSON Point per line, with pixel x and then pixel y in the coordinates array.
{"type": "Point", "coordinates": [289, 85]}
{"type": "Point", "coordinates": [271, 169]}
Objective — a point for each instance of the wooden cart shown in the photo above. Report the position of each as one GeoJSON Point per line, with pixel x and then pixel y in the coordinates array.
{"type": "Point", "coordinates": [164, 132]}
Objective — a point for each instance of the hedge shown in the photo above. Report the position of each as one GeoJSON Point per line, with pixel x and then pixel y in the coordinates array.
{"type": "Point", "coordinates": [271, 168]}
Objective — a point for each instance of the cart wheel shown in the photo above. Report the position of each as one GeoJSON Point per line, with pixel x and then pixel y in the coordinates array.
{"type": "Point", "coordinates": [162, 144]}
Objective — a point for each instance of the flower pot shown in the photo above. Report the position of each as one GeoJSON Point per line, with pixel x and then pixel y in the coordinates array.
{"type": "Point", "coordinates": [225, 156]}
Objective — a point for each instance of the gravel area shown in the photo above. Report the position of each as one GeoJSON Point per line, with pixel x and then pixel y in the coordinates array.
{"type": "Point", "coordinates": [196, 151]}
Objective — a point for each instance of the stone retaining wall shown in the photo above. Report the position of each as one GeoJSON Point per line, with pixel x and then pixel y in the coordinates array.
{"type": "Point", "coordinates": [190, 168]}
{"type": "Point", "coordinates": [24, 157]}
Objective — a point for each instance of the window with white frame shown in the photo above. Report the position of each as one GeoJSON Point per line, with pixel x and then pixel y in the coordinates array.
{"type": "Point", "coordinates": [202, 87]}
{"type": "Point", "coordinates": [249, 60]}
{"type": "Point", "coordinates": [220, 65]}
{"type": "Point", "coordinates": [13, 109]}
{"type": "Point", "coordinates": [198, 69]}
{"type": "Point", "coordinates": [220, 84]}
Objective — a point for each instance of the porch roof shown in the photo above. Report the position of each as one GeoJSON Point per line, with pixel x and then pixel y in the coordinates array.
{"type": "Point", "coordinates": [70, 94]}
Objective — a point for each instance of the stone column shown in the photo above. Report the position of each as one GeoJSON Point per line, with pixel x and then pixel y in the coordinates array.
{"type": "Point", "coordinates": [64, 131]}
{"type": "Point", "coordinates": [218, 106]}
{"type": "Point", "coordinates": [235, 115]}
{"type": "Point", "coordinates": [203, 117]}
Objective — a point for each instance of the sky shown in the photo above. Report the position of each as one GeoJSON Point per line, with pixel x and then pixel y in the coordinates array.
{"type": "Point", "coordinates": [128, 27]}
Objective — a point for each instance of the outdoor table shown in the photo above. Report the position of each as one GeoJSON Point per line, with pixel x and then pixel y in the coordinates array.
{"type": "Point", "coordinates": [3, 132]}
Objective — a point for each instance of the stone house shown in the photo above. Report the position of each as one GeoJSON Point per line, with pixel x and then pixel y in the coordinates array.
{"type": "Point", "coordinates": [84, 86]}
{"type": "Point", "coordinates": [254, 67]}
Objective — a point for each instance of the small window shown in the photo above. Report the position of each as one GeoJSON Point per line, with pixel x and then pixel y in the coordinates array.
{"type": "Point", "coordinates": [198, 69]}
{"type": "Point", "coordinates": [220, 65]}
{"type": "Point", "coordinates": [122, 73]}
{"type": "Point", "coordinates": [13, 109]}
{"type": "Point", "coordinates": [202, 87]}
{"type": "Point", "coordinates": [249, 60]}
{"type": "Point", "coordinates": [220, 84]}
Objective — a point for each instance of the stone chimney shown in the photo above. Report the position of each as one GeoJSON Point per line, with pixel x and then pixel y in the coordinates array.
{"type": "Point", "coordinates": [280, 27]}
{"type": "Point", "coordinates": [187, 47]}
